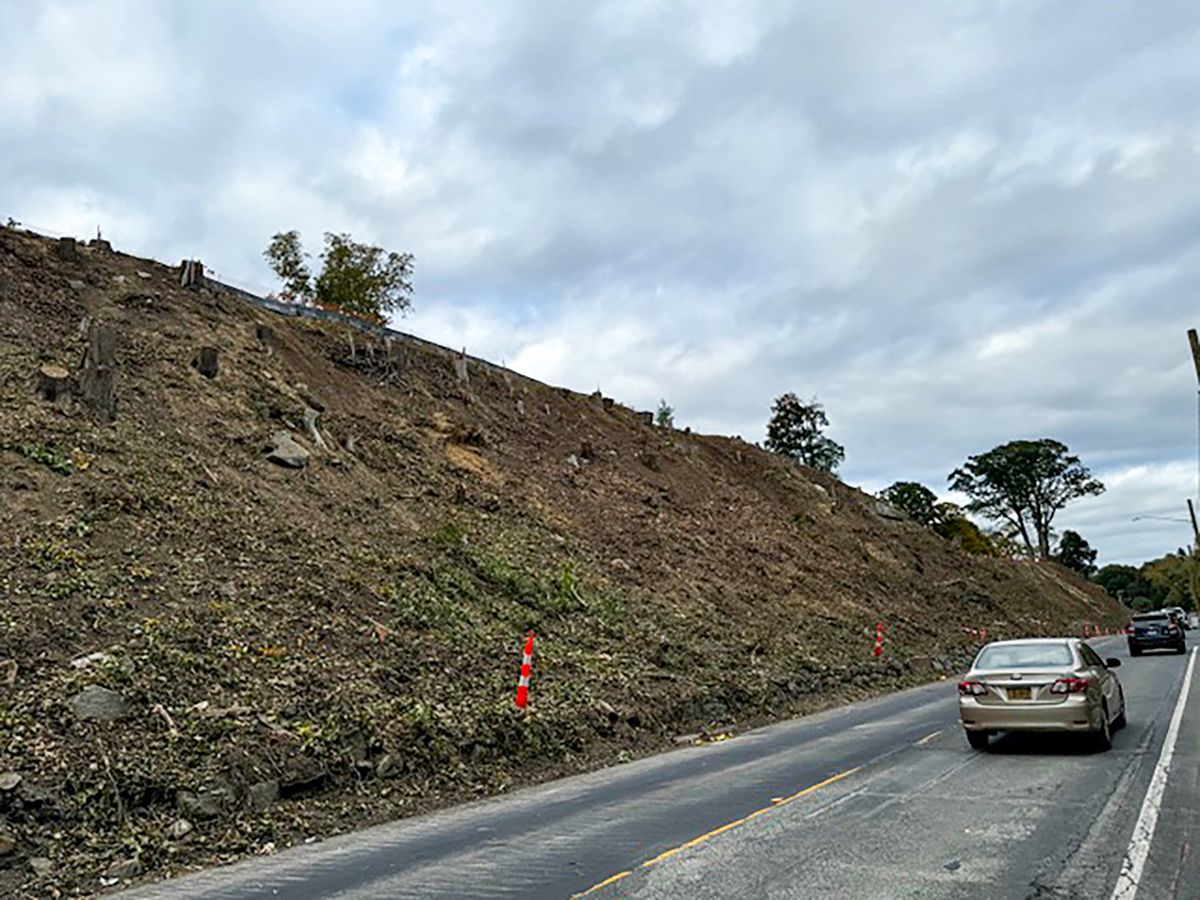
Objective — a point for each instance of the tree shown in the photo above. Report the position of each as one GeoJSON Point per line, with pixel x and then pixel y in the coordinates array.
{"type": "Point", "coordinates": [287, 260]}
{"type": "Point", "coordinates": [665, 417]}
{"type": "Point", "coordinates": [913, 499]}
{"type": "Point", "coordinates": [1075, 553]}
{"type": "Point", "coordinates": [796, 431]}
{"type": "Point", "coordinates": [1025, 484]}
{"type": "Point", "coordinates": [360, 279]}
{"type": "Point", "coordinates": [951, 524]}
{"type": "Point", "coordinates": [1122, 582]}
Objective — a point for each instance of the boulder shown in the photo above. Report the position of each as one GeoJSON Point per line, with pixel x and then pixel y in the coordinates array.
{"type": "Point", "coordinates": [40, 865]}
{"type": "Point", "coordinates": [124, 869]}
{"type": "Point", "coordinates": [98, 704]}
{"type": "Point", "coordinates": [885, 510]}
{"type": "Point", "coordinates": [206, 805]}
{"type": "Point", "coordinates": [179, 829]}
{"type": "Point", "coordinates": [9, 781]}
{"type": "Point", "coordinates": [263, 794]}
{"type": "Point", "coordinates": [284, 450]}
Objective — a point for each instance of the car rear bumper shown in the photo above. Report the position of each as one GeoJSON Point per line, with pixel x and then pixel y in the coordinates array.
{"type": "Point", "coordinates": [1155, 642]}
{"type": "Point", "coordinates": [1075, 713]}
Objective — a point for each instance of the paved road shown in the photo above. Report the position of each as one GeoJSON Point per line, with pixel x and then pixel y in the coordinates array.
{"type": "Point", "coordinates": [876, 800]}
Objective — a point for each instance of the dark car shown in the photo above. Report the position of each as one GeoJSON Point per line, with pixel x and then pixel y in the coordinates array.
{"type": "Point", "coordinates": [1155, 631]}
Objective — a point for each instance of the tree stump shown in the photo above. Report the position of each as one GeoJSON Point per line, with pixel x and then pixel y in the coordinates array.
{"type": "Point", "coordinates": [206, 362]}
{"type": "Point", "coordinates": [66, 248]}
{"type": "Point", "coordinates": [98, 385]}
{"type": "Point", "coordinates": [191, 274]}
{"type": "Point", "coordinates": [266, 337]}
{"type": "Point", "coordinates": [53, 383]}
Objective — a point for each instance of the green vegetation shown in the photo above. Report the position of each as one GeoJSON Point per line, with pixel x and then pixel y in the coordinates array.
{"type": "Point", "coordinates": [914, 500]}
{"type": "Point", "coordinates": [1167, 581]}
{"type": "Point", "coordinates": [1076, 553]}
{"type": "Point", "coordinates": [796, 430]}
{"type": "Point", "coordinates": [665, 417]}
{"type": "Point", "coordinates": [1024, 484]}
{"type": "Point", "coordinates": [356, 278]}
{"type": "Point", "coordinates": [50, 457]}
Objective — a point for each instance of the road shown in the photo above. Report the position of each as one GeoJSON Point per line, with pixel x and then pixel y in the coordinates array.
{"type": "Point", "coordinates": [880, 800]}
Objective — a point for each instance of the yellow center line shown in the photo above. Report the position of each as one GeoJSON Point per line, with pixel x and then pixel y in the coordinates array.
{"type": "Point", "coordinates": [776, 802]}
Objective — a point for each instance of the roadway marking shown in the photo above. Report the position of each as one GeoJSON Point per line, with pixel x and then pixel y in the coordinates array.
{"type": "Point", "coordinates": [696, 841]}
{"type": "Point", "coordinates": [1143, 832]}
{"type": "Point", "coordinates": [927, 738]}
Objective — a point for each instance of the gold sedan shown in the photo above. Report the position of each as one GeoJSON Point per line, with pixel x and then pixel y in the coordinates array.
{"type": "Point", "coordinates": [1041, 684]}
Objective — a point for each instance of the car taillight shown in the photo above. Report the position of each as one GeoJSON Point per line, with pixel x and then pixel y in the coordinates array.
{"type": "Point", "coordinates": [969, 688]}
{"type": "Point", "coordinates": [1069, 686]}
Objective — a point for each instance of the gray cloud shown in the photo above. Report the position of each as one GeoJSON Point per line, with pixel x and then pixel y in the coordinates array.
{"type": "Point", "coordinates": [957, 224]}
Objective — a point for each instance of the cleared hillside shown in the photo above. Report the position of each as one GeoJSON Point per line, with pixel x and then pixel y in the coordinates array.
{"type": "Point", "coordinates": [297, 651]}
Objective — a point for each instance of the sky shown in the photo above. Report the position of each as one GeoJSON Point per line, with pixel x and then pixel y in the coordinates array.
{"type": "Point", "coordinates": [956, 223]}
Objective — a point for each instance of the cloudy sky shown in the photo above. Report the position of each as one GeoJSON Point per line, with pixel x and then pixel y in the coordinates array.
{"type": "Point", "coordinates": [957, 223]}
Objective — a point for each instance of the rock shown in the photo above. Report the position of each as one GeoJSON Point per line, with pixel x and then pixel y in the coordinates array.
{"type": "Point", "coordinates": [40, 865]}
{"type": "Point", "coordinates": [263, 794]}
{"type": "Point", "coordinates": [389, 764]}
{"type": "Point", "coordinates": [8, 844]}
{"type": "Point", "coordinates": [99, 704]}
{"type": "Point", "coordinates": [179, 829]}
{"type": "Point", "coordinates": [206, 362]}
{"type": "Point", "coordinates": [283, 450]}
{"type": "Point", "coordinates": [885, 510]}
{"type": "Point", "coordinates": [9, 781]}
{"type": "Point", "coordinates": [53, 382]}
{"type": "Point", "coordinates": [124, 869]}
{"type": "Point", "coordinates": [91, 659]}
{"type": "Point", "coordinates": [573, 461]}
{"type": "Point", "coordinates": [76, 285]}
{"type": "Point", "coordinates": [145, 276]}
{"type": "Point", "coordinates": [206, 805]}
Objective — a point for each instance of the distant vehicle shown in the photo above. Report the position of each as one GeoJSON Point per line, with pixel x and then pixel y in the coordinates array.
{"type": "Point", "coordinates": [1156, 631]}
{"type": "Point", "coordinates": [1180, 615]}
{"type": "Point", "coordinates": [1042, 684]}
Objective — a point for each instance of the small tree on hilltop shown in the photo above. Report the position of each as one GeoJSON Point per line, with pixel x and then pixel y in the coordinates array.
{"type": "Point", "coordinates": [796, 430]}
{"type": "Point", "coordinates": [1025, 483]}
{"type": "Point", "coordinates": [665, 417]}
{"type": "Point", "coordinates": [913, 499]}
{"type": "Point", "coordinates": [357, 278]}
{"type": "Point", "coordinates": [1075, 553]}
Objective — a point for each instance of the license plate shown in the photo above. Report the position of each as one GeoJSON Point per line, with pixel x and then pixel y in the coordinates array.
{"type": "Point", "coordinates": [1016, 693]}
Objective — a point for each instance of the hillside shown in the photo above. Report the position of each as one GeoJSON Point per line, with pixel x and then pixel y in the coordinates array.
{"type": "Point", "coordinates": [293, 652]}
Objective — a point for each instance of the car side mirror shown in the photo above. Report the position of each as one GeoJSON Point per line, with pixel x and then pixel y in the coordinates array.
{"type": "Point", "coordinates": [1112, 662]}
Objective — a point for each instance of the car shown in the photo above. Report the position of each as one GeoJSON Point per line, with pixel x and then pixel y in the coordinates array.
{"type": "Point", "coordinates": [1157, 630]}
{"type": "Point", "coordinates": [1041, 684]}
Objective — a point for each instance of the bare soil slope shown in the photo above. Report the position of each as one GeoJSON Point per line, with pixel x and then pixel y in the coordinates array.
{"type": "Point", "coordinates": [294, 652]}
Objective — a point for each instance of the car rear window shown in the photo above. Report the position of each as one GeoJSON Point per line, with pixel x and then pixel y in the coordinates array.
{"type": "Point", "coordinates": [1153, 620]}
{"type": "Point", "coordinates": [1024, 656]}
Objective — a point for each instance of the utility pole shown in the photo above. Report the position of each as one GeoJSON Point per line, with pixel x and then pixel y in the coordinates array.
{"type": "Point", "coordinates": [1194, 343]}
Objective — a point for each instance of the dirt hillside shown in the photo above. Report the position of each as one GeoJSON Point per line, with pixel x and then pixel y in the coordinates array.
{"type": "Point", "coordinates": [206, 653]}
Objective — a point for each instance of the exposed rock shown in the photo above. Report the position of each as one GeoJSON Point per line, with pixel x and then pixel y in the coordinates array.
{"type": "Point", "coordinates": [53, 383]}
{"type": "Point", "coordinates": [99, 704]}
{"type": "Point", "coordinates": [885, 510]}
{"type": "Point", "coordinates": [263, 794]}
{"type": "Point", "coordinates": [206, 805]}
{"type": "Point", "coordinates": [179, 829]}
{"type": "Point", "coordinates": [206, 361]}
{"type": "Point", "coordinates": [283, 450]}
{"type": "Point", "coordinates": [8, 844]}
{"type": "Point", "coordinates": [389, 764]}
{"type": "Point", "coordinates": [145, 276]}
{"type": "Point", "coordinates": [124, 869]}
{"type": "Point", "coordinates": [76, 285]}
{"type": "Point", "coordinates": [40, 865]}
{"type": "Point", "coordinates": [9, 781]}
{"type": "Point", "coordinates": [91, 659]}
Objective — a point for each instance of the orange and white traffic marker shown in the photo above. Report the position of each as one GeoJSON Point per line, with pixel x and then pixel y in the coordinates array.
{"type": "Point", "coordinates": [879, 639]}
{"type": "Point", "coordinates": [526, 670]}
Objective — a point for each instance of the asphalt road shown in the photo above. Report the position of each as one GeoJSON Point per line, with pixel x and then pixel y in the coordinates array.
{"type": "Point", "coordinates": [878, 800]}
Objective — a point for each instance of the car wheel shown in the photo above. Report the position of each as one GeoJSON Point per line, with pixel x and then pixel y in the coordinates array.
{"type": "Point", "coordinates": [1103, 737]}
{"type": "Point", "coordinates": [978, 739]}
{"type": "Point", "coordinates": [1182, 648]}
{"type": "Point", "coordinates": [1135, 651]}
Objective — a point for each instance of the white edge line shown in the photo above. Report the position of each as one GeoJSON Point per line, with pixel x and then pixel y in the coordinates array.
{"type": "Point", "coordinates": [1143, 832]}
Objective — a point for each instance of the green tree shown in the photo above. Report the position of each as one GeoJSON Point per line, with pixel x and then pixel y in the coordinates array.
{"type": "Point", "coordinates": [357, 278]}
{"type": "Point", "coordinates": [951, 524]}
{"type": "Point", "coordinates": [1170, 579]}
{"type": "Point", "coordinates": [1075, 553]}
{"type": "Point", "coordinates": [665, 417]}
{"type": "Point", "coordinates": [796, 430]}
{"type": "Point", "coordinates": [1025, 484]}
{"type": "Point", "coordinates": [288, 260]}
{"type": "Point", "coordinates": [1122, 582]}
{"type": "Point", "coordinates": [913, 499]}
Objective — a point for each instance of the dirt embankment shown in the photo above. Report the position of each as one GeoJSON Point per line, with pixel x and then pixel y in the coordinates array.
{"type": "Point", "coordinates": [206, 653]}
